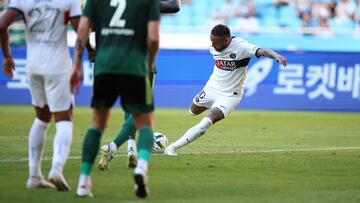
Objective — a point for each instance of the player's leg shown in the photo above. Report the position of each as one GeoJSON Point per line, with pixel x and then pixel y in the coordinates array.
{"type": "Point", "coordinates": [220, 109]}
{"type": "Point", "coordinates": [127, 132]}
{"type": "Point", "coordinates": [105, 93]}
{"type": "Point", "coordinates": [37, 136]}
{"type": "Point", "coordinates": [37, 132]}
{"type": "Point", "coordinates": [145, 143]}
{"type": "Point", "coordinates": [193, 133]}
{"type": "Point", "coordinates": [201, 102]}
{"type": "Point", "coordinates": [90, 149]}
{"type": "Point", "coordinates": [132, 149]}
{"type": "Point", "coordinates": [60, 102]}
{"type": "Point", "coordinates": [61, 148]}
{"type": "Point", "coordinates": [138, 99]}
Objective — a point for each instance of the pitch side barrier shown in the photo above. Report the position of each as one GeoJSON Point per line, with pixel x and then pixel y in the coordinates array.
{"type": "Point", "coordinates": [320, 81]}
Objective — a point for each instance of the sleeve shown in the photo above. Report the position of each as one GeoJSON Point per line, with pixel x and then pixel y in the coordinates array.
{"type": "Point", "coordinates": [15, 4]}
{"type": "Point", "coordinates": [90, 10]}
{"type": "Point", "coordinates": [75, 9]}
{"type": "Point", "coordinates": [154, 10]}
{"type": "Point", "coordinates": [249, 49]}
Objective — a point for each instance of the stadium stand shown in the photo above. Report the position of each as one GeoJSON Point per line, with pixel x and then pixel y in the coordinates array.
{"type": "Point", "coordinates": [341, 16]}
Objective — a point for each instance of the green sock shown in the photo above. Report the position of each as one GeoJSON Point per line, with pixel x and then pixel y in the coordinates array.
{"type": "Point", "coordinates": [145, 142]}
{"type": "Point", "coordinates": [90, 150]}
{"type": "Point", "coordinates": [127, 131]}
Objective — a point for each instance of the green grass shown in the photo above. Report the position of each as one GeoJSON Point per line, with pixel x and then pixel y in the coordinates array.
{"type": "Point", "coordinates": [253, 156]}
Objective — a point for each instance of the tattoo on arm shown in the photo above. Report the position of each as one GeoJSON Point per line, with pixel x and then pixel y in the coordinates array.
{"type": "Point", "coordinates": [79, 50]}
{"type": "Point", "coordinates": [268, 53]}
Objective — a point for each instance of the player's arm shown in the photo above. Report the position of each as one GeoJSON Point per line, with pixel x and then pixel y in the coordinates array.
{"type": "Point", "coordinates": [91, 52]}
{"type": "Point", "coordinates": [153, 39]}
{"type": "Point", "coordinates": [83, 33]}
{"type": "Point", "coordinates": [5, 21]}
{"type": "Point", "coordinates": [170, 6]}
{"type": "Point", "coordinates": [271, 54]}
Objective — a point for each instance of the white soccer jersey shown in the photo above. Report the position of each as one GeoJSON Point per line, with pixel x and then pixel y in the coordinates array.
{"type": "Point", "coordinates": [230, 67]}
{"type": "Point", "coordinates": [46, 33]}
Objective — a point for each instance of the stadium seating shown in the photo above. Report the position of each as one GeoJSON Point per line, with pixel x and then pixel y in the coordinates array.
{"type": "Point", "coordinates": [199, 13]}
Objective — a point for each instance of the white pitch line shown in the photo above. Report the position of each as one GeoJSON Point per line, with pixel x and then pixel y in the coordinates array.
{"type": "Point", "coordinates": [200, 153]}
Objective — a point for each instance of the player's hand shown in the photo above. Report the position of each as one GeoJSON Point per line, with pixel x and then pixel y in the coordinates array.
{"type": "Point", "coordinates": [281, 59]}
{"type": "Point", "coordinates": [9, 67]}
{"type": "Point", "coordinates": [75, 80]}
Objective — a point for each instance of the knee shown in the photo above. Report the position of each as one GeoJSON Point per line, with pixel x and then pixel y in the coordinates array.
{"type": "Point", "coordinates": [98, 125]}
{"type": "Point", "coordinates": [43, 114]}
{"type": "Point", "coordinates": [146, 119]}
{"type": "Point", "coordinates": [191, 113]}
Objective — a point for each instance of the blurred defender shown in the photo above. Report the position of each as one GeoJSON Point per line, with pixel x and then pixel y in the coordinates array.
{"type": "Point", "coordinates": [127, 42]}
{"type": "Point", "coordinates": [223, 91]}
{"type": "Point", "coordinates": [128, 129]}
{"type": "Point", "coordinates": [48, 67]}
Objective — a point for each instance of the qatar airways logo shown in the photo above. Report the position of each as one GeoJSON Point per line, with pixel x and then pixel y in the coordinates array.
{"type": "Point", "coordinates": [231, 65]}
{"type": "Point", "coordinates": [226, 65]}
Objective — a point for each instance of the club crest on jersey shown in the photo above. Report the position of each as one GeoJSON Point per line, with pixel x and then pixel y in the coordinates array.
{"type": "Point", "coordinates": [232, 55]}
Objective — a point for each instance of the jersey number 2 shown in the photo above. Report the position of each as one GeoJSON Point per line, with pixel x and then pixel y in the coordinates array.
{"type": "Point", "coordinates": [116, 20]}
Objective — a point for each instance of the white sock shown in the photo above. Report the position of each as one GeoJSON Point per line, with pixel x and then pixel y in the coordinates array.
{"type": "Point", "coordinates": [113, 147]}
{"type": "Point", "coordinates": [141, 167]}
{"type": "Point", "coordinates": [62, 144]}
{"type": "Point", "coordinates": [36, 141]}
{"type": "Point", "coordinates": [193, 133]}
{"type": "Point", "coordinates": [131, 146]}
{"type": "Point", "coordinates": [84, 180]}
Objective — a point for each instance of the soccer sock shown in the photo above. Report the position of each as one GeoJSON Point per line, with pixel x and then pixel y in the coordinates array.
{"type": "Point", "coordinates": [36, 141]}
{"type": "Point", "coordinates": [131, 147]}
{"type": "Point", "coordinates": [141, 167]}
{"type": "Point", "coordinates": [84, 180]}
{"type": "Point", "coordinates": [145, 143]}
{"type": "Point", "coordinates": [193, 133]}
{"type": "Point", "coordinates": [62, 144]}
{"type": "Point", "coordinates": [90, 150]}
{"type": "Point", "coordinates": [127, 131]}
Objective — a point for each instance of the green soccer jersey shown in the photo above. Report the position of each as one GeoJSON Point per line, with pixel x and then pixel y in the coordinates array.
{"type": "Point", "coordinates": [121, 34]}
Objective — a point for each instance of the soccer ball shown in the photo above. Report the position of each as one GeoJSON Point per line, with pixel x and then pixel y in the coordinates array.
{"type": "Point", "coordinates": [160, 142]}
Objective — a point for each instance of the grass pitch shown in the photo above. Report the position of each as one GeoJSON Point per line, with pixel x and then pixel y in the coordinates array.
{"type": "Point", "coordinates": [252, 156]}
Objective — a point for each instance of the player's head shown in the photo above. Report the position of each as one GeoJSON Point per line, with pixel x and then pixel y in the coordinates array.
{"type": "Point", "coordinates": [220, 37]}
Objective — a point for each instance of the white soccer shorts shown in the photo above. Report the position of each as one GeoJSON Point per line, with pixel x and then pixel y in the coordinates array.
{"type": "Point", "coordinates": [207, 98]}
{"type": "Point", "coordinates": [53, 90]}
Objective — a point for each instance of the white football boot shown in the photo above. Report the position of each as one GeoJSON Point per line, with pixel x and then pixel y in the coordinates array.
{"type": "Point", "coordinates": [84, 190]}
{"type": "Point", "coordinates": [38, 182]}
{"type": "Point", "coordinates": [170, 150]}
{"type": "Point", "coordinates": [58, 180]}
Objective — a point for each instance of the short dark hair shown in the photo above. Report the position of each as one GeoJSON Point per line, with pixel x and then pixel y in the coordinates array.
{"type": "Point", "coordinates": [220, 30]}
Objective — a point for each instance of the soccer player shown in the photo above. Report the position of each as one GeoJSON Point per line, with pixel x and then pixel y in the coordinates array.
{"type": "Point", "coordinates": [48, 68]}
{"type": "Point", "coordinates": [128, 129]}
{"type": "Point", "coordinates": [127, 42]}
{"type": "Point", "coordinates": [223, 91]}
